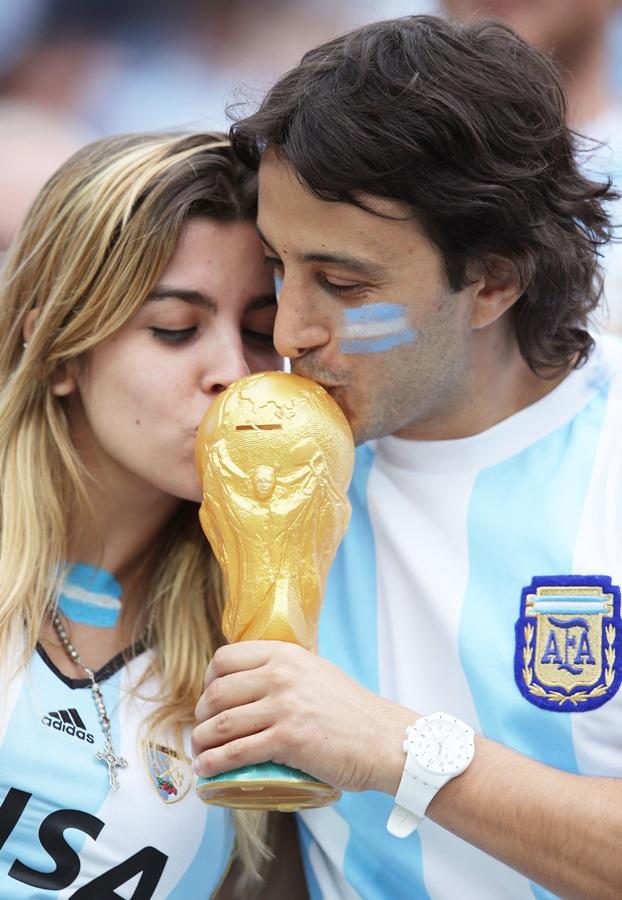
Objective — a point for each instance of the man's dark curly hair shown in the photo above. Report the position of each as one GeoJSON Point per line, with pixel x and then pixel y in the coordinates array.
{"type": "Point", "coordinates": [466, 125]}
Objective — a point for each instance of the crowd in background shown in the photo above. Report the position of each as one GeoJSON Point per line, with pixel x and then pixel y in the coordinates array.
{"type": "Point", "coordinates": [73, 71]}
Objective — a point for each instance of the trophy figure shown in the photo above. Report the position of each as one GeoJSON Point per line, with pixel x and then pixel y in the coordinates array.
{"type": "Point", "coordinates": [275, 455]}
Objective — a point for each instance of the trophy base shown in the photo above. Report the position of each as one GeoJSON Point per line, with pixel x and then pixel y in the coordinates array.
{"type": "Point", "coordinates": [266, 786]}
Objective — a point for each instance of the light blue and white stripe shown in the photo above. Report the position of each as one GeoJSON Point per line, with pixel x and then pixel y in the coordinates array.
{"type": "Point", "coordinates": [375, 328]}
{"type": "Point", "coordinates": [91, 596]}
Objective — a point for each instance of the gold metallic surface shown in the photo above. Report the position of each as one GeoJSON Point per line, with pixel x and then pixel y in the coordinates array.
{"type": "Point", "coordinates": [275, 454]}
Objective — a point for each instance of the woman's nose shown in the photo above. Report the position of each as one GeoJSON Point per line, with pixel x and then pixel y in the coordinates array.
{"type": "Point", "coordinates": [226, 366]}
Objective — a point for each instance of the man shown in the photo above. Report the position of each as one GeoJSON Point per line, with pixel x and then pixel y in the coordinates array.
{"type": "Point", "coordinates": [436, 243]}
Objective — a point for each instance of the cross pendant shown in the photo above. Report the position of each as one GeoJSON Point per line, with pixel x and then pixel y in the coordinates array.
{"type": "Point", "coordinates": [113, 762]}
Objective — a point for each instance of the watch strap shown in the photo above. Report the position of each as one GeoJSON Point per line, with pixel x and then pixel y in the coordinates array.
{"type": "Point", "coordinates": [402, 822]}
{"type": "Point", "coordinates": [414, 793]}
{"type": "Point", "coordinates": [411, 801]}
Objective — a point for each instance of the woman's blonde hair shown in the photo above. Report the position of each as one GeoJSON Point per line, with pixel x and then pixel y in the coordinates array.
{"type": "Point", "coordinates": [93, 245]}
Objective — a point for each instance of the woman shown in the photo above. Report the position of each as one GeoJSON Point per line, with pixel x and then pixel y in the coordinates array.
{"type": "Point", "coordinates": [135, 292]}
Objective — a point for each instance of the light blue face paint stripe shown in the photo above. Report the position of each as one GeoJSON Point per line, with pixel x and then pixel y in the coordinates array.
{"type": "Point", "coordinates": [374, 312]}
{"type": "Point", "coordinates": [376, 864]}
{"type": "Point", "coordinates": [378, 345]}
{"type": "Point", "coordinates": [528, 511]}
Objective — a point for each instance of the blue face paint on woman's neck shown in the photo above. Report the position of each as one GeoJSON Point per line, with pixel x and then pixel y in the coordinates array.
{"type": "Point", "coordinates": [91, 596]}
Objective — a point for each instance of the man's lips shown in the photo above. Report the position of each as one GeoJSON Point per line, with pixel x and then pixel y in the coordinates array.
{"type": "Point", "coordinates": [321, 381]}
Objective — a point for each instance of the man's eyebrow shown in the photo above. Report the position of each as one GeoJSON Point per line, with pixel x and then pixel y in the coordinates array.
{"type": "Point", "coordinates": [354, 263]}
{"type": "Point", "coordinates": [363, 266]}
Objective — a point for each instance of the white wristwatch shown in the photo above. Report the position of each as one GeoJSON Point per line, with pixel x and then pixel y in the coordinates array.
{"type": "Point", "coordinates": [437, 748]}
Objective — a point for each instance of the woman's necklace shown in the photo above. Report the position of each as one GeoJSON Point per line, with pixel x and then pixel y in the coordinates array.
{"type": "Point", "coordinates": [107, 755]}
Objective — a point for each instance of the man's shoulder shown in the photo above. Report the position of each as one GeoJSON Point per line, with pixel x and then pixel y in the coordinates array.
{"type": "Point", "coordinates": [603, 369]}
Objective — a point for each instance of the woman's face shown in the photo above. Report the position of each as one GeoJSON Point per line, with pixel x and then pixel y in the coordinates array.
{"type": "Point", "coordinates": [137, 398]}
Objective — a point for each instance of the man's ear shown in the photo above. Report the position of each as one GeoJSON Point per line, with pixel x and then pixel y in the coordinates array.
{"type": "Point", "coordinates": [64, 378]}
{"type": "Point", "coordinates": [499, 289]}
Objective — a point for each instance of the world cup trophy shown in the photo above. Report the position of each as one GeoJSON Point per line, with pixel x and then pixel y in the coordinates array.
{"type": "Point", "coordinates": [275, 455]}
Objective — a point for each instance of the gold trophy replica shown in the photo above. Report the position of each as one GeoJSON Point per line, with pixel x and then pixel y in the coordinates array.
{"type": "Point", "coordinates": [275, 455]}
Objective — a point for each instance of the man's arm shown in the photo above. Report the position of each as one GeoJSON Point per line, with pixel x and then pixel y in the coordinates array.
{"type": "Point", "coordinates": [268, 700]}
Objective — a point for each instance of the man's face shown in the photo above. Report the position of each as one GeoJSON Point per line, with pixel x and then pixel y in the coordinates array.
{"type": "Point", "coordinates": [364, 309]}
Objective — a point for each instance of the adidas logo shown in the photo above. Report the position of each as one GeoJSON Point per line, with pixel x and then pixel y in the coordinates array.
{"type": "Point", "coordinates": [69, 721]}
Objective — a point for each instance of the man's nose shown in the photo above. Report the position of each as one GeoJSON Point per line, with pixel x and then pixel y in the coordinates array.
{"type": "Point", "coordinates": [298, 326]}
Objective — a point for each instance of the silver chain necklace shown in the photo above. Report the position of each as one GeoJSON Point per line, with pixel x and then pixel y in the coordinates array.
{"type": "Point", "coordinates": [107, 755]}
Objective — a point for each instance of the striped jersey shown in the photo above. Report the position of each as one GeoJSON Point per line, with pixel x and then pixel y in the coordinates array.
{"type": "Point", "coordinates": [481, 577]}
{"type": "Point", "coordinates": [63, 831]}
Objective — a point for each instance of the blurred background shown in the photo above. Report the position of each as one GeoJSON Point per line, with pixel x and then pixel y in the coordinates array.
{"type": "Point", "coordinates": [73, 70]}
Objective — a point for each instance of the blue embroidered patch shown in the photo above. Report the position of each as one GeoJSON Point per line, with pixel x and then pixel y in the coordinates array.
{"type": "Point", "coordinates": [569, 642]}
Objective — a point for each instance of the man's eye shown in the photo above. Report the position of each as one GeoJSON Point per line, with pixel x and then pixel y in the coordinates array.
{"type": "Point", "coordinates": [173, 335]}
{"type": "Point", "coordinates": [340, 288]}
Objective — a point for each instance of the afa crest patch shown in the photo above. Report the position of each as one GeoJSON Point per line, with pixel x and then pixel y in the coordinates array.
{"type": "Point", "coordinates": [569, 642]}
{"type": "Point", "coordinates": [171, 779]}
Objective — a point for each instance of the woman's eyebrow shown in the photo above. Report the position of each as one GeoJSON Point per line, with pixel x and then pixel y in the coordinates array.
{"type": "Point", "coordinates": [168, 292]}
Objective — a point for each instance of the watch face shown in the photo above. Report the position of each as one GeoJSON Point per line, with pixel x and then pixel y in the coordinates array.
{"type": "Point", "coordinates": [441, 746]}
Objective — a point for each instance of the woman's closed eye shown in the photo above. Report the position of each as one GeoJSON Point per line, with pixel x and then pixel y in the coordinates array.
{"type": "Point", "coordinates": [258, 326]}
{"type": "Point", "coordinates": [275, 264]}
{"type": "Point", "coordinates": [173, 335]}
{"type": "Point", "coordinates": [259, 338]}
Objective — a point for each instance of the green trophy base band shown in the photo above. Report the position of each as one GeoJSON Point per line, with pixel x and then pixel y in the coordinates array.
{"type": "Point", "coordinates": [266, 786]}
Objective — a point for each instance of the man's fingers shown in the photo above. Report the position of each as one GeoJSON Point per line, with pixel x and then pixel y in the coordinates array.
{"type": "Point", "coordinates": [227, 692]}
{"type": "Point", "coordinates": [239, 657]}
{"type": "Point", "coordinates": [220, 735]}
